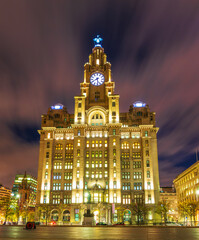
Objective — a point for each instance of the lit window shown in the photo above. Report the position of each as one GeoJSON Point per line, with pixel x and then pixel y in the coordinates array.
{"type": "Point", "coordinates": [106, 164]}
{"type": "Point", "coordinates": [114, 198]}
{"type": "Point", "coordinates": [96, 164]}
{"type": "Point", "coordinates": [136, 145]}
{"type": "Point", "coordinates": [114, 142]}
{"type": "Point", "coordinates": [92, 175]}
{"type": "Point", "coordinates": [93, 144]}
{"type": "Point", "coordinates": [148, 185]}
{"type": "Point", "coordinates": [46, 174]}
{"type": "Point", "coordinates": [78, 142]}
{"type": "Point", "coordinates": [148, 174]}
{"type": "Point", "coordinates": [96, 154]}
{"type": "Point", "coordinates": [46, 164]}
{"type": "Point", "coordinates": [106, 174]}
{"type": "Point", "coordinates": [114, 184]}
{"type": "Point", "coordinates": [114, 152]}
{"type": "Point", "coordinates": [100, 143]}
{"type": "Point", "coordinates": [100, 174]}
{"type": "Point", "coordinates": [106, 143]}
{"type": "Point", "coordinates": [87, 174]}
{"type": "Point", "coordinates": [96, 144]}
{"type": "Point", "coordinates": [114, 163]}
{"type": "Point", "coordinates": [92, 165]}
{"type": "Point", "coordinates": [77, 174]}
{"type": "Point", "coordinates": [87, 164]}
{"type": "Point", "coordinates": [105, 153]}
{"type": "Point", "coordinates": [126, 199]}
{"type": "Point", "coordinates": [78, 163]}
{"type": "Point", "coordinates": [59, 146]}
{"type": "Point", "coordinates": [79, 133]}
{"type": "Point", "coordinates": [100, 164]}
{"type": "Point", "coordinates": [87, 144]}
{"type": "Point", "coordinates": [114, 174]}
{"type": "Point", "coordinates": [146, 133]}
{"type": "Point", "coordinates": [93, 154]}
{"type": "Point", "coordinates": [87, 154]}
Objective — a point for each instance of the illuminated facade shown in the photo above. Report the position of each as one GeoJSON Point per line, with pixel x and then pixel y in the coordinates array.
{"type": "Point", "coordinates": [25, 189]}
{"type": "Point", "coordinates": [97, 158]}
{"type": "Point", "coordinates": [187, 185]}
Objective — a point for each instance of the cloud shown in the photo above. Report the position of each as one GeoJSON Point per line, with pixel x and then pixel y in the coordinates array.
{"type": "Point", "coordinates": [153, 47]}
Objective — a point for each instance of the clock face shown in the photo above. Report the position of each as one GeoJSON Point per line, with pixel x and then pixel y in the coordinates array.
{"type": "Point", "coordinates": [97, 79]}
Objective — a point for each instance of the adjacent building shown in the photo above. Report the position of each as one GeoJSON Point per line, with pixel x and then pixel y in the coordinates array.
{"type": "Point", "coordinates": [187, 185]}
{"type": "Point", "coordinates": [5, 193]}
{"type": "Point", "coordinates": [25, 189]}
{"type": "Point", "coordinates": [97, 158]}
{"type": "Point", "coordinates": [168, 196]}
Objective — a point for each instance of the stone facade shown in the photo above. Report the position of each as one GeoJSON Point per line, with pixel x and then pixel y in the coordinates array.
{"type": "Point", "coordinates": [97, 159]}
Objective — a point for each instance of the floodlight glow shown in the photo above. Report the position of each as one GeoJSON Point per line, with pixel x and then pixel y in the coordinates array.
{"type": "Point", "coordinates": [139, 104]}
{"type": "Point", "coordinates": [57, 106]}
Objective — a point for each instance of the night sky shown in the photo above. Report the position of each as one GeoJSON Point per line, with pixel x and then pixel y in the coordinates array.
{"type": "Point", "coordinates": [153, 47]}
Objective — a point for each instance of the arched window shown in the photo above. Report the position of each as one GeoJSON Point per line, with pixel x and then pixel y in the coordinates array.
{"type": "Point", "coordinates": [66, 216]}
{"type": "Point", "coordinates": [97, 120]}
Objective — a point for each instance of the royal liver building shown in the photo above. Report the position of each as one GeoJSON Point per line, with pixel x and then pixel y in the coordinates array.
{"type": "Point", "coordinates": [97, 159]}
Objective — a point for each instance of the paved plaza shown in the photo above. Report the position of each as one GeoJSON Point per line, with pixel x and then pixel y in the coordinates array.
{"type": "Point", "coordinates": [142, 233]}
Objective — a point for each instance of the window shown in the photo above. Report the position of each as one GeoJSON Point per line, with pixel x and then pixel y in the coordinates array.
{"type": "Point", "coordinates": [46, 175]}
{"type": "Point", "coordinates": [58, 155]}
{"type": "Point", "coordinates": [68, 165]}
{"type": "Point", "coordinates": [136, 164]}
{"type": "Point", "coordinates": [56, 175]}
{"type": "Point", "coordinates": [69, 146]}
{"type": "Point", "coordinates": [105, 153]}
{"type": "Point", "coordinates": [87, 154]}
{"type": "Point", "coordinates": [93, 144]}
{"type": "Point", "coordinates": [105, 143]}
{"type": "Point", "coordinates": [100, 174]}
{"type": "Point", "coordinates": [92, 154]}
{"type": "Point", "coordinates": [136, 145]}
{"type": "Point", "coordinates": [96, 154]}
{"type": "Point", "coordinates": [137, 175]}
{"type": "Point", "coordinates": [77, 184]}
{"type": "Point", "coordinates": [86, 185]}
{"type": "Point", "coordinates": [137, 186]}
{"type": "Point", "coordinates": [45, 186]}
{"type": "Point", "coordinates": [107, 197]}
{"type": "Point", "coordinates": [126, 199]}
{"type": "Point", "coordinates": [59, 146]}
{"type": "Point", "coordinates": [78, 152]}
{"type": "Point", "coordinates": [97, 96]}
{"type": "Point", "coordinates": [146, 133]}
{"type": "Point", "coordinates": [147, 153]}
{"type": "Point", "coordinates": [148, 185]}
{"type": "Point", "coordinates": [114, 114]}
{"type": "Point", "coordinates": [87, 144]}
{"type": "Point", "coordinates": [68, 175]}
{"type": "Point", "coordinates": [125, 145]}
{"type": "Point", "coordinates": [114, 163]}
{"type": "Point", "coordinates": [149, 198]}
{"type": "Point", "coordinates": [78, 163]}
{"type": "Point", "coordinates": [125, 155]}
{"type": "Point", "coordinates": [48, 145]}
{"type": "Point", "coordinates": [47, 154]}
{"type": "Point", "coordinates": [148, 174]}
{"type": "Point", "coordinates": [56, 199]}
{"type": "Point", "coordinates": [126, 186]}
{"type": "Point", "coordinates": [79, 114]}
{"type": "Point", "coordinates": [87, 174]}
{"type": "Point", "coordinates": [87, 164]}
{"type": "Point", "coordinates": [125, 164]}
{"type": "Point", "coordinates": [56, 186]}
{"type": "Point", "coordinates": [106, 164]}
{"type": "Point", "coordinates": [136, 155]}
{"type": "Point", "coordinates": [114, 198]}
{"type": "Point", "coordinates": [100, 143]}
{"type": "Point", "coordinates": [114, 174]}
{"type": "Point", "coordinates": [79, 105]}
{"type": "Point", "coordinates": [92, 175]}
{"type": "Point", "coordinates": [77, 174]}
{"type": "Point", "coordinates": [114, 142]}
{"type": "Point", "coordinates": [57, 165]}
{"type": "Point", "coordinates": [69, 155]}
{"type": "Point", "coordinates": [92, 165]}
{"type": "Point", "coordinates": [114, 152]}
{"type": "Point", "coordinates": [138, 198]}
{"type": "Point", "coordinates": [106, 185]}
{"type": "Point", "coordinates": [147, 163]}
{"type": "Point", "coordinates": [68, 186]}
{"type": "Point", "coordinates": [146, 143]}
{"type": "Point", "coordinates": [113, 104]}
{"type": "Point", "coordinates": [79, 133]}
{"type": "Point", "coordinates": [126, 175]}
{"type": "Point", "coordinates": [78, 142]}
{"type": "Point", "coordinates": [96, 164]}
{"type": "Point", "coordinates": [67, 199]}
{"type": "Point", "coordinates": [114, 184]}
{"type": "Point", "coordinates": [114, 131]}
{"type": "Point", "coordinates": [46, 164]}
{"type": "Point", "coordinates": [100, 154]}
{"type": "Point", "coordinates": [106, 174]}
{"type": "Point", "coordinates": [100, 164]}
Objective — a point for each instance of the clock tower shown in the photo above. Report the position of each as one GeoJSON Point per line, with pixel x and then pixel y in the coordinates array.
{"type": "Point", "coordinates": [97, 89]}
